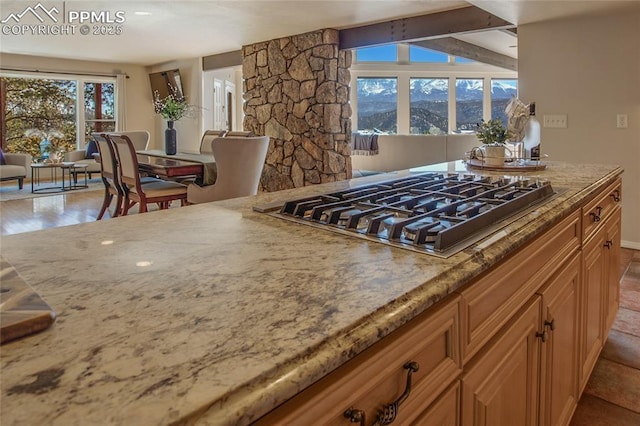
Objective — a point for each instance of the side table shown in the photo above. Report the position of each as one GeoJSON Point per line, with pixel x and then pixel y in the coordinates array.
{"type": "Point", "coordinates": [73, 170]}
{"type": "Point", "coordinates": [35, 177]}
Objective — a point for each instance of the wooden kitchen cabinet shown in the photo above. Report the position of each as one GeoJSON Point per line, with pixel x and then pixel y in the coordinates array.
{"type": "Point", "coordinates": [612, 248]}
{"type": "Point", "coordinates": [378, 376]}
{"type": "Point", "coordinates": [488, 303]}
{"type": "Point", "coordinates": [601, 280]}
{"type": "Point", "coordinates": [514, 347]}
{"type": "Point", "coordinates": [500, 387]}
{"type": "Point", "coordinates": [528, 374]}
{"type": "Point", "coordinates": [445, 411]}
{"type": "Point", "coordinates": [560, 358]}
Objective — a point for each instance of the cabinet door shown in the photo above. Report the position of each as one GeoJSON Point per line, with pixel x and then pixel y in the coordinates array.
{"type": "Point", "coordinates": [501, 385]}
{"type": "Point", "coordinates": [612, 248]}
{"type": "Point", "coordinates": [559, 370]}
{"type": "Point", "coordinates": [593, 303]}
{"type": "Point", "coordinates": [445, 411]}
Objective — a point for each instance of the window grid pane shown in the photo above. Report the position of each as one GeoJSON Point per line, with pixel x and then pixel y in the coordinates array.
{"type": "Point", "coordinates": [469, 94]}
{"type": "Point", "coordinates": [429, 99]}
{"type": "Point", "coordinates": [501, 92]}
{"type": "Point", "coordinates": [420, 54]}
{"type": "Point", "coordinates": [378, 104]}
{"type": "Point", "coordinates": [387, 53]}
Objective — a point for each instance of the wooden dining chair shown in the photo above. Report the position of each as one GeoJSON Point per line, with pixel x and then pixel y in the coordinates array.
{"type": "Point", "coordinates": [239, 163]}
{"type": "Point", "coordinates": [139, 138]}
{"type": "Point", "coordinates": [157, 191]}
{"type": "Point", "coordinates": [110, 176]}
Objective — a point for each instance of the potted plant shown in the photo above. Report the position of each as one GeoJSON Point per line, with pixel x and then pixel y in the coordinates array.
{"type": "Point", "coordinates": [493, 136]}
{"type": "Point", "coordinates": [171, 108]}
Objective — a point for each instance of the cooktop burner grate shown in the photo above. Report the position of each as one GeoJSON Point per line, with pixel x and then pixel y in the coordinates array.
{"type": "Point", "coordinates": [433, 212]}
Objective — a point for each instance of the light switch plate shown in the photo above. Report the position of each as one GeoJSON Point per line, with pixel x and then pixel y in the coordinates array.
{"type": "Point", "coordinates": [622, 121]}
{"type": "Point", "coordinates": [557, 121]}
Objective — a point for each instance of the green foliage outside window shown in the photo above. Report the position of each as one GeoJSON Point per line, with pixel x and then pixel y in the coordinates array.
{"type": "Point", "coordinates": [37, 108]}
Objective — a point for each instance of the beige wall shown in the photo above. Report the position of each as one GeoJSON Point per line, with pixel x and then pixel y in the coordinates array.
{"type": "Point", "coordinates": [189, 130]}
{"type": "Point", "coordinates": [589, 69]}
{"type": "Point", "coordinates": [139, 107]}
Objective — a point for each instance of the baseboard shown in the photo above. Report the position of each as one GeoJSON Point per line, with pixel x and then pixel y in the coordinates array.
{"type": "Point", "coordinates": [630, 245]}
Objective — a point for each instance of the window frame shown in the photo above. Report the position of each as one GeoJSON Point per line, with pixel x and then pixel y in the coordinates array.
{"type": "Point", "coordinates": [379, 78]}
{"type": "Point", "coordinates": [404, 71]}
{"type": "Point", "coordinates": [80, 80]}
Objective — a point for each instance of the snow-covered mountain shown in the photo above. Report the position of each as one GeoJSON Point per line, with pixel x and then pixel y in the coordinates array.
{"type": "Point", "coordinates": [422, 89]}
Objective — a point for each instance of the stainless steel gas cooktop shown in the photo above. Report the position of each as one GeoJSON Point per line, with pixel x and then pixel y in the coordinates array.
{"type": "Point", "coordinates": [432, 213]}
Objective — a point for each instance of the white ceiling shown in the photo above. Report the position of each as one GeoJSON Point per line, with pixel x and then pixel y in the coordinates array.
{"type": "Point", "coordinates": [193, 28]}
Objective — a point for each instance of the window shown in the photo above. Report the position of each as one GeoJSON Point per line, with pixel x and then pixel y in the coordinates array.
{"type": "Point", "coordinates": [386, 53]}
{"type": "Point", "coordinates": [378, 104]}
{"type": "Point", "coordinates": [42, 114]}
{"type": "Point", "coordinates": [99, 108]}
{"type": "Point", "coordinates": [420, 54]}
{"type": "Point", "coordinates": [469, 93]}
{"type": "Point", "coordinates": [461, 60]}
{"type": "Point", "coordinates": [501, 92]}
{"type": "Point", "coordinates": [429, 98]}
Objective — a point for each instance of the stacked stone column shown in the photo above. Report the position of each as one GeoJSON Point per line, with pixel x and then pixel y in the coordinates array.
{"type": "Point", "coordinates": [296, 90]}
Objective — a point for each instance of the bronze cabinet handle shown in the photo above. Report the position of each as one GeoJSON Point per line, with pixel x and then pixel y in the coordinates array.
{"type": "Point", "coordinates": [596, 216]}
{"type": "Point", "coordinates": [551, 324]}
{"type": "Point", "coordinates": [389, 412]}
{"type": "Point", "coordinates": [615, 195]}
{"type": "Point", "coordinates": [543, 336]}
{"type": "Point", "coordinates": [355, 416]}
{"type": "Point", "coordinates": [608, 244]}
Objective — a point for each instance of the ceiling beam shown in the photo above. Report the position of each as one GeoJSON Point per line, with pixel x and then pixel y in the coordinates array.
{"type": "Point", "coordinates": [511, 31]}
{"type": "Point", "coordinates": [456, 21]}
{"type": "Point", "coordinates": [222, 60]}
{"type": "Point", "coordinates": [456, 47]}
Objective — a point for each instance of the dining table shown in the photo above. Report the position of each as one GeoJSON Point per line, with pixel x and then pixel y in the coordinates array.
{"type": "Point", "coordinates": [180, 165]}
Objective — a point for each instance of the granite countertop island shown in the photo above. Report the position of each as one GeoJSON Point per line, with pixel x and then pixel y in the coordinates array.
{"type": "Point", "coordinates": [215, 314]}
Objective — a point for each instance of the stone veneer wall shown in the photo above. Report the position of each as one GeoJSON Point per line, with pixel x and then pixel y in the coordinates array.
{"type": "Point", "coordinates": [296, 90]}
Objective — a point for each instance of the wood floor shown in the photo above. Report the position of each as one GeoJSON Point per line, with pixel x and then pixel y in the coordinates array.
{"type": "Point", "coordinates": [69, 208]}
{"type": "Point", "coordinates": [612, 396]}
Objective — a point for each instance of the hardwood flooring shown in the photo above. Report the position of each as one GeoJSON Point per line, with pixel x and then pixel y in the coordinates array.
{"type": "Point", "coordinates": [612, 396]}
{"type": "Point", "coordinates": [68, 208]}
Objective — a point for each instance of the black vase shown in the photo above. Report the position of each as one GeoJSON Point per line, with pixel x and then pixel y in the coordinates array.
{"type": "Point", "coordinates": [170, 142]}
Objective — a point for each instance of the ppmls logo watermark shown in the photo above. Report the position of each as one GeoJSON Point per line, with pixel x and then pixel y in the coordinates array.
{"type": "Point", "coordinates": [56, 19]}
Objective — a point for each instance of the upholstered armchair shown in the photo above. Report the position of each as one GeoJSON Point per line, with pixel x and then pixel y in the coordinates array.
{"type": "Point", "coordinates": [239, 163]}
{"type": "Point", "coordinates": [85, 156]}
{"type": "Point", "coordinates": [15, 166]}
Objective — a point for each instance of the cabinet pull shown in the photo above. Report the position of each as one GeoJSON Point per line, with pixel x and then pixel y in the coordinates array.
{"type": "Point", "coordinates": [355, 416]}
{"type": "Point", "coordinates": [596, 216]}
{"type": "Point", "coordinates": [389, 412]}
{"type": "Point", "coordinates": [608, 244]}
{"type": "Point", "coordinates": [551, 324]}
{"type": "Point", "coordinates": [543, 336]}
{"type": "Point", "coordinates": [615, 195]}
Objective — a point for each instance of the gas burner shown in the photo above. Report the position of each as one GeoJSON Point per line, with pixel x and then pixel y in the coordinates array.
{"type": "Point", "coordinates": [432, 213]}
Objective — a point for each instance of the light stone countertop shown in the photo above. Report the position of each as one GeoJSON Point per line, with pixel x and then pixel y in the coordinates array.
{"type": "Point", "coordinates": [215, 314]}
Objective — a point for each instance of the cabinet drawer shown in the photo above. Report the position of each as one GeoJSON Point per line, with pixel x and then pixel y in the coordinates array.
{"type": "Point", "coordinates": [376, 376]}
{"type": "Point", "coordinates": [445, 411]}
{"type": "Point", "coordinates": [488, 303]}
{"type": "Point", "coordinates": [598, 209]}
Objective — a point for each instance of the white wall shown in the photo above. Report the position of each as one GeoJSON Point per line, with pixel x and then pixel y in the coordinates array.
{"type": "Point", "coordinates": [589, 69]}
{"type": "Point", "coordinates": [232, 75]}
{"type": "Point", "coordinates": [139, 107]}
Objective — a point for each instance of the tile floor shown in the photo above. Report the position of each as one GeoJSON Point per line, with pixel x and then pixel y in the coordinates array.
{"type": "Point", "coordinates": [612, 395]}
